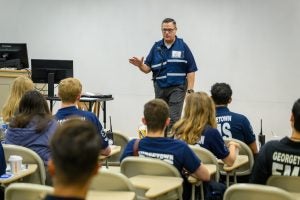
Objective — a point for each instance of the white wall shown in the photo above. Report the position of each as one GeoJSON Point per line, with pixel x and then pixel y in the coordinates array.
{"type": "Point", "coordinates": [251, 44]}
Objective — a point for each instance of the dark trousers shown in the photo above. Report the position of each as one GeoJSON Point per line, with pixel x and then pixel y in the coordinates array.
{"type": "Point", "coordinates": [174, 96]}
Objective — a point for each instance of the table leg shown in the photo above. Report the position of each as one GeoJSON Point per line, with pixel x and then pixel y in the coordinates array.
{"type": "Point", "coordinates": [106, 163]}
{"type": "Point", "coordinates": [235, 178]}
{"type": "Point", "coordinates": [104, 114]}
{"type": "Point", "coordinates": [227, 180]}
{"type": "Point", "coordinates": [51, 105]}
{"type": "Point", "coordinates": [97, 106]}
{"type": "Point", "coordinates": [90, 106]}
{"type": "Point", "coordinates": [193, 192]}
{"type": "Point", "coordinates": [202, 191]}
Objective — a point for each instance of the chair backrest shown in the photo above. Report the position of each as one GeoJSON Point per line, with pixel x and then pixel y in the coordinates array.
{"type": "Point", "coordinates": [29, 157]}
{"type": "Point", "coordinates": [133, 166]}
{"type": "Point", "coordinates": [245, 150]}
{"type": "Point", "coordinates": [288, 183]}
{"type": "Point", "coordinates": [119, 140]}
{"type": "Point", "coordinates": [206, 157]}
{"type": "Point", "coordinates": [106, 180]}
{"type": "Point", "coordinates": [254, 191]}
{"type": "Point", "coordinates": [27, 191]}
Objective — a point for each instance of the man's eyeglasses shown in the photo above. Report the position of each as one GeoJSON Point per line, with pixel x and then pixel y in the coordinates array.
{"type": "Point", "coordinates": [169, 30]}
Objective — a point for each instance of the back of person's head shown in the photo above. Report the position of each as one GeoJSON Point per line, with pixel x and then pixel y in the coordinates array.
{"type": "Point", "coordinates": [221, 93]}
{"type": "Point", "coordinates": [296, 115]}
{"type": "Point", "coordinates": [33, 102]}
{"type": "Point", "coordinates": [69, 90]}
{"type": "Point", "coordinates": [199, 104]}
{"type": "Point", "coordinates": [19, 86]}
{"type": "Point", "coordinates": [199, 111]}
{"type": "Point", "coordinates": [156, 113]}
{"type": "Point", "coordinates": [33, 105]}
{"type": "Point", "coordinates": [75, 148]}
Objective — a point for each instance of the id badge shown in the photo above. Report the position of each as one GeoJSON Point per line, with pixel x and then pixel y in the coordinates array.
{"type": "Point", "coordinates": [177, 54]}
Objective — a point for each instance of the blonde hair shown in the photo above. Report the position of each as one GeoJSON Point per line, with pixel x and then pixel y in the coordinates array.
{"type": "Point", "coordinates": [69, 89]}
{"type": "Point", "coordinates": [20, 85]}
{"type": "Point", "coordinates": [199, 111]}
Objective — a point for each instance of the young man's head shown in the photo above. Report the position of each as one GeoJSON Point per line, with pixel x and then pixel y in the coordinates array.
{"type": "Point", "coordinates": [221, 93]}
{"type": "Point", "coordinates": [296, 115]}
{"type": "Point", "coordinates": [69, 90]}
{"type": "Point", "coordinates": [156, 115]}
{"type": "Point", "coordinates": [75, 149]}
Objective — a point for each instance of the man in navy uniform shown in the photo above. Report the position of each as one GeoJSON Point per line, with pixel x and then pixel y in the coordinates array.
{"type": "Point", "coordinates": [173, 68]}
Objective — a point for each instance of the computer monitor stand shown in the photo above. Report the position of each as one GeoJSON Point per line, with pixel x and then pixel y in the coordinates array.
{"type": "Point", "coordinates": [51, 84]}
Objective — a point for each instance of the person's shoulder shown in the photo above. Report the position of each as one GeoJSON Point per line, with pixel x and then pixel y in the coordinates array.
{"type": "Point", "coordinates": [87, 114]}
{"type": "Point", "coordinates": [182, 42]}
{"type": "Point", "coordinates": [210, 131]}
{"type": "Point", "coordinates": [272, 144]}
{"type": "Point", "coordinates": [240, 115]}
{"type": "Point", "coordinates": [236, 115]}
{"type": "Point", "coordinates": [130, 143]}
{"type": "Point", "coordinates": [178, 142]}
{"type": "Point", "coordinates": [166, 141]}
{"type": "Point", "coordinates": [62, 111]}
{"type": "Point", "coordinates": [133, 140]}
{"type": "Point", "coordinates": [180, 145]}
{"type": "Point", "coordinates": [179, 39]}
{"type": "Point", "coordinates": [158, 43]}
{"type": "Point", "coordinates": [53, 123]}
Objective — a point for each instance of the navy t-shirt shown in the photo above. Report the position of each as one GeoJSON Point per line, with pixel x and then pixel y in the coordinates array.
{"type": "Point", "coordinates": [212, 141]}
{"type": "Point", "coordinates": [174, 152]}
{"type": "Point", "coordinates": [234, 125]}
{"type": "Point", "coordinates": [277, 158]}
{"type": "Point", "coordinates": [69, 112]}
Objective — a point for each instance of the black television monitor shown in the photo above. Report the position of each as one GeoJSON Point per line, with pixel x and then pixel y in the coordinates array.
{"type": "Point", "coordinates": [51, 72]}
{"type": "Point", "coordinates": [13, 55]}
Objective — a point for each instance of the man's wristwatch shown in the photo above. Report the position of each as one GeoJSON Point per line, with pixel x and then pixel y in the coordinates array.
{"type": "Point", "coordinates": [190, 91]}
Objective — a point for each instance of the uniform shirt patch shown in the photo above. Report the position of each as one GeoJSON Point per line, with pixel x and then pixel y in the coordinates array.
{"type": "Point", "coordinates": [177, 54]}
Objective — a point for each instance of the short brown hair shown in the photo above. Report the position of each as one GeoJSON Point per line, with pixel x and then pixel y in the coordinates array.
{"type": "Point", "coordinates": [75, 148]}
{"type": "Point", "coordinates": [69, 89]}
{"type": "Point", "coordinates": [169, 20]}
{"type": "Point", "coordinates": [156, 112]}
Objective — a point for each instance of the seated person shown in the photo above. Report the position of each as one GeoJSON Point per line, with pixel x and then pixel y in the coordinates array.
{"type": "Point", "coordinates": [19, 86]}
{"type": "Point", "coordinates": [280, 157]}
{"type": "Point", "coordinates": [230, 124]}
{"type": "Point", "coordinates": [33, 125]}
{"type": "Point", "coordinates": [2, 160]}
{"type": "Point", "coordinates": [75, 148]}
{"type": "Point", "coordinates": [156, 118]}
{"type": "Point", "coordinates": [198, 127]}
{"type": "Point", "coordinates": [69, 90]}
